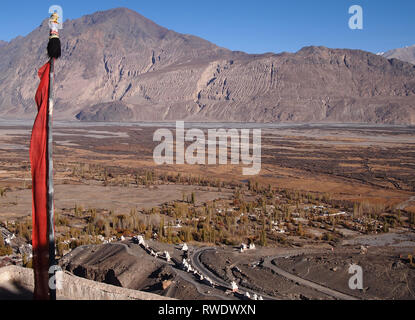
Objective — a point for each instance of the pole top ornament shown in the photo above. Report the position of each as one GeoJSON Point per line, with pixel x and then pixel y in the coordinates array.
{"type": "Point", "coordinates": [54, 26]}
{"type": "Point", "coordinates": [54, 45]}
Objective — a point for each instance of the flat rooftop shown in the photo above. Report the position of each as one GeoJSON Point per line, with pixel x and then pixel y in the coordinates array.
{"type": "Point", "coordinates": [17, 283]}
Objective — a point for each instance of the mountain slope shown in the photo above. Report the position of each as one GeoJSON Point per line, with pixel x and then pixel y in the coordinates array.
{"type": "Point", "coordinates": [406, 54]}
{"type": "Point", "coordinates": [100, 51]}
{"type": "Point", "coordinates": [119, 66]}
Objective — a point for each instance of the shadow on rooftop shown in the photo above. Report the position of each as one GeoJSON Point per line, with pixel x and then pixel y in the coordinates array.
{"type": "Point", "coordinates": [13, 290]}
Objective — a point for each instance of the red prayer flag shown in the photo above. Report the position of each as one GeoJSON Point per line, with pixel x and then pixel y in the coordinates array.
{"type": "Point", "coordinates": [38, 160]}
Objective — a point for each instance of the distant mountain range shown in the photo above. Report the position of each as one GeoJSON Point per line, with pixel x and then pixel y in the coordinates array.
{"type": "Point", "coordinates": [405, 54]}
{"type": "Point", "coordinates": [119, 66]}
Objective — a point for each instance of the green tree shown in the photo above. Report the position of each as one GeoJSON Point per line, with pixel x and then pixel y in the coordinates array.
{"type": "Point", "coordinates": [263, 238]}
{"type": "Point", "coordinates": [300, 230]}
{"type": "Point", "coordinates": [161, 228]}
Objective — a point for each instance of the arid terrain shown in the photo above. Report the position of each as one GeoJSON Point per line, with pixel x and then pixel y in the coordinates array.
{"type": "Point", "coordinates": [327, 196]}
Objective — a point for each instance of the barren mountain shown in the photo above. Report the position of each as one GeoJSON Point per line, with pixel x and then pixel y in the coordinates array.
{"type": "Point", "coordinates": [119, 66]}
{"type": "Point", "coordinates": [405, 54]}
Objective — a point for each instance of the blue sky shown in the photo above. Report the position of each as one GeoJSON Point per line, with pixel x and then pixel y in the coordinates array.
{"type": "Point", "coordinates": [255, 26]}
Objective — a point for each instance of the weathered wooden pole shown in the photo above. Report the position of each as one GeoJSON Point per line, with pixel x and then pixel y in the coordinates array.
{"type": "Point", "coordinates": [54, 52]}
{"type": "Point", "coordinates": [50, 203]}
{"type": "Point", "coordinates": [41, 162]}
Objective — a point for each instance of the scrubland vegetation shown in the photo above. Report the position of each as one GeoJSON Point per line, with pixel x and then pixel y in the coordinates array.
{"type": "Point", "coordinates": [262, 214]}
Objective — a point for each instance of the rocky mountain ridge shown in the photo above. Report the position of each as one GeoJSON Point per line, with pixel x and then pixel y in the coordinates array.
{"type": "Point", "coordinates": [406, 54]}
{"type": "Point", "coordinates": [119, 66]}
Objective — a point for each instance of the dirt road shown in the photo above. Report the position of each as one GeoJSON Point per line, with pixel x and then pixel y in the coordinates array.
{"type": "Point", "coordinates": [270, 263]}
{"type": "Point", "coordinates": [195, 259]}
